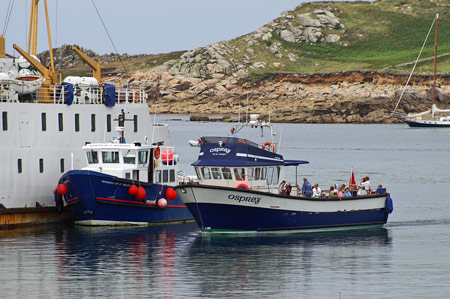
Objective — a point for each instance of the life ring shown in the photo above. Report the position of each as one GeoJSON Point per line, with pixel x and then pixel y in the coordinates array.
{"type": "Point", "coordinates": [157, 152]}
{"type": "Point", "coordinates": [242, 186]}
{"type": "Point", "coordinates": [269, 146]}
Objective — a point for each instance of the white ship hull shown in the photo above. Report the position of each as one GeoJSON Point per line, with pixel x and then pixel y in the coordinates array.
{"type": "Point", "coordinates": [31, 158]}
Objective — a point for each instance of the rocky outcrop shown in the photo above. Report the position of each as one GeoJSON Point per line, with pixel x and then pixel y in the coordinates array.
{"type": "Point", "coordinates": [237, 58]}
{"type": "Point", "coordinates": [352, 97]}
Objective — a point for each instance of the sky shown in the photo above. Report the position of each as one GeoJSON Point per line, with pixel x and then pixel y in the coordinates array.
{"type": "Point", "coordinates": [139, 26]}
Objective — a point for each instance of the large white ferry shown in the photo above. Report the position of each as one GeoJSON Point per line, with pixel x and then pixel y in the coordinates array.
{"type": "Point", "coordinates": [44, 124]}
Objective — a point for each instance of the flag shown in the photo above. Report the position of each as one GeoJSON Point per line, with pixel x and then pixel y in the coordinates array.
{"type": "Point", "coordinates": [352, 179]}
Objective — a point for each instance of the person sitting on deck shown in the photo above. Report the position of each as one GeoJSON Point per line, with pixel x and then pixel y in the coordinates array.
{"type": "Point", "coordinates": [347, 192]}
{"type": "Point", "coordinates": [306, 188]}
{"type": "Point", "coordinates": [288, 189]}
{"type": "Point", "coordinates": [333, 192]}
{"type": "Point", "coordinates": [317, 193]}
{"type": "Point", "coordinates": [361, 191]}
{"type": "Point", "coordinates": [282, 188]}
{"type": "Point", "coordinates": [379, 190]}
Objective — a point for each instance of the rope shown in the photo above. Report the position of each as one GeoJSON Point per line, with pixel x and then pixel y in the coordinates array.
{"type": "Point", "coordinates": [106, 29]}
{"type": "Point", "coordinates": [417, 60]}
{"type": "Point", "coordinates": [8, 16]}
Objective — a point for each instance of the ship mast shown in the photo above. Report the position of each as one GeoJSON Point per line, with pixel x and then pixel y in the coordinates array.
{"type": "Point", "coordinates": [435, 58]}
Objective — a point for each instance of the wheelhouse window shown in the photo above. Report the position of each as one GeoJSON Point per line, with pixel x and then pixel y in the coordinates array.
{"type": "Point", "coordinates": [226, 172]}
{"type": "Point", "coordinates": [172, 175]}
{"type": "Point", "coordinates": [239, 174]}
{"type": "Point", "coordinates": [19, 165]}
{"type": "Point", "coordinates": [263, 173]}
{"type": "Point", "coordinates": [92, 157]}
{"type": "Point", "coordinates": [77, 122]}
{"type": "Point", "coordinates": [165, 176]}
{"type": "Point", "coordinates": [135, 122]}
{"type": "Point", "coordinates": [60, 122]}
{"type": "Point", "coordinates": [257, 173]}
{"type": "Point", "coordinates": [197, 171]}
{"type": "Point", "coordinates": [158, 176]}
{"type": "Point", "coordinates": [92, 122]}
{"type": "Point", "coordinates": [143, 157]}
{"type": "Point", "coordinates": [108, 123]}
{"type": "Point", "coordinates": [216, 173]}
{"type": "Point", "coordinates": [276, 175]}
{"type": "Point", "coordinates": [205, 173]}
{"type": "Point", "coordinates": [110, 157]}
{"type": "Point", "coordinates": [129, 157]}
{"type": "Point", "coordinates": [269, 175]}
{"type": "Point", "coordinates": [44, 121]}
{"type": "Point", "coordinates": [250, 173]}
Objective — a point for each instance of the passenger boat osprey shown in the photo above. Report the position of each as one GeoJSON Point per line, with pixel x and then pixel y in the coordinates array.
{"type": "Point", "coordinates": [124, 184]}
{"type": "Point", "coordinates": [237, 191]}
{"type": "Point", "coordinates": [45, 123]}
{"type": "Point", "coordinates": [427, 118]}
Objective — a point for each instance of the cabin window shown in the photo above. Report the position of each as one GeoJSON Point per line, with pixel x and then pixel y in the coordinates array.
{"type": "Point", "coordinates": [205, 173]}
{"type": "Point", "coordinates": [158, 176]}
{"type": "Point", "coordinates": [216, 173]}
{"type": "Point", "coordinates": [276, 175]}
{"type": "Point", "coordinates": [143, 156]}
{"type": "Point", "coordinates": [127, 175]}
{"type": "Point", "coordinates": [108, 123]}
{"type": "Point", "coordinates": [269, 175]}
{"type": "Point", "coordinates": [165, 176]}
{"type": "Point", "coordinates": [61, 165]}
{"type": "Point", "coordinates": [172, 175]}
{"type": "Point", "coordinates": [19, 165]}
{"type": "Point", "coordinates": [135, 122]}
{"type": "Point", "coordinates": [110, 157]}
{"type": "Point", "coordinates": [41, 165]}
{"type": "Point", "coordinates": [263, 173]}
{"type": "Point", "coordinates": [239, 173]}
{"type": "Point", "coordinates": [257, 173]}
{"type": "Point", "coordinates": [250, 173]}
{"type": "Point", "coordinates": [60, 122]}
{"type": "Point", "coordinates": [226, 172]}
{"type": "Point", "coordinates": [92, 157]}
{"type": "Point", "coordinates": [197, 171]}
{"type": "Point", "coordinates": [129, 157]}
{"type": "Point", "coordinates": [5, 120]}
{"type": "Point", "coordinates": [44, 121]}
{"type": "Point", "coordinates": [77, 122]}
{"type": "Point", "coordinates": [92, 122]}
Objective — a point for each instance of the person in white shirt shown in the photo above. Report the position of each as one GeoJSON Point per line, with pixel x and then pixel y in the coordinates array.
{"type": "Point", "coordinates": [361, 191]}
{"type": "Point", "coordinates": [317, 193]}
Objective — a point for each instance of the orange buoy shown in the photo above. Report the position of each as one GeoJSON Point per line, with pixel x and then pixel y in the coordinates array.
{"type": "Point", "coordinates": [62, 189]}
{"type": "Point", "coordinates": [171, 194]}
{"type": "Point", "coordinates": [141, 193]}
{"type": "Point", "coordinates": [133, 190]}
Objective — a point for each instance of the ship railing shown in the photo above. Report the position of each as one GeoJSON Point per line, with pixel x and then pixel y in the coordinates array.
{"type": "Point", "coordinates": [58, 94]}
{"type": "Point", "coordinates": [131, 95]}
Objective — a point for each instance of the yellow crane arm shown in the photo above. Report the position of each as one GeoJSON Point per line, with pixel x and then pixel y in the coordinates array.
{"type": "Point", "coordinates": [95, 66]}
{"type": "Point", "coordinates": [49, 75]}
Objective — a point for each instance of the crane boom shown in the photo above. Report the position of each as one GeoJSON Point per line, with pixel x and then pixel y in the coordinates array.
{"type": "Point", "coordinates": [94, 65]}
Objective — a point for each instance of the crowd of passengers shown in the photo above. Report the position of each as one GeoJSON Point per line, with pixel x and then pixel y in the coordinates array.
{"type": "Point", "coordinates": [335, 191]}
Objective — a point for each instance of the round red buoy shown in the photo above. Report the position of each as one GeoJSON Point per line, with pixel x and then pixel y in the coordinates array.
{"type": "Point", "coordinates": [141, 193]}
{"type": "Point", "coordinates": [167, 155]}
{"type": "Point", "coordinates": [133, 190]}
{"type": "Point", "coordinates": [162, 203]}
{"type": "Point", "coordinates": [62, 189]}
{"type": "Point", "coordinates": [171, 194]}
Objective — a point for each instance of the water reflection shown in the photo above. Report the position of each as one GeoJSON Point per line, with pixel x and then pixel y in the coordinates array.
{"type": "Point", "coordinates": [176, 261]}
{"type": "Point", "coordinates": [249, 263]}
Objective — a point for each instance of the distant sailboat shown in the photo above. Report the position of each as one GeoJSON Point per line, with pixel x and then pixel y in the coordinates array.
{"type": "Point", "coordinates": [427, 118]}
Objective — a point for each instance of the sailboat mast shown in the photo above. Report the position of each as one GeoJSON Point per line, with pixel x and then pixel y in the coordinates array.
{"type": "Point", "coordinates": [435, 58]}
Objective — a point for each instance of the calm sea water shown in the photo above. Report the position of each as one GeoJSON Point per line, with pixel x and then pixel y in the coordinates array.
{"type": "Point", "coordinates": [408, 258]}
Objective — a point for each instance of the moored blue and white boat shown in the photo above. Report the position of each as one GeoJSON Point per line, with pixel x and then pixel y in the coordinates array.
{"type": "Point", "coordinates": [238, 192]}
{"type": "Point", "coordinates": [124, 184]}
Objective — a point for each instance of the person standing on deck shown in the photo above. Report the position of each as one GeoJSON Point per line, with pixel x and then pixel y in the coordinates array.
{"type": "Point", "coordinates": [306, 188]}
{"type": "Point", "coordinates": [232, 133]}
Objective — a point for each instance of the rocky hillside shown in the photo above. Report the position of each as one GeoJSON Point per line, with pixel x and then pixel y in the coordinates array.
{"type": "Point", "coordinates": [333, 62]}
